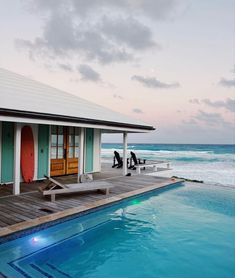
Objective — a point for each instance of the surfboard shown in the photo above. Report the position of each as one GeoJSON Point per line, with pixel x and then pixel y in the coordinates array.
{"type": "Point", "coordinates": [27, 154]}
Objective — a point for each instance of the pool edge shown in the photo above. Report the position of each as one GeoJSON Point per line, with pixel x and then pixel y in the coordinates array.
{"type": "Point", "coordinates": [12, 230]}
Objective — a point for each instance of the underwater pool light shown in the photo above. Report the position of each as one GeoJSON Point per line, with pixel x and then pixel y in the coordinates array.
{"type": "Point", "coordinates": [35, 239]}
{"type": "Point", "coordinates": [136, 202]}
{"type": "Point", "coordinates": [38, 240]}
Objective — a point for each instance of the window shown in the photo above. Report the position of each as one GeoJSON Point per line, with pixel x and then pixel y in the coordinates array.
{"type": "Point", "coordinates": [73, 142]}
{"type": "Point", "coordinates": [57, 142]}
{"type": "Point", "coordinates": [64, 140]}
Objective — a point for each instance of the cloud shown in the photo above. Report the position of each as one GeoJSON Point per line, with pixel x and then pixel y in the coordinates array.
{"type": "Point", "coordinates": [88, 73]}
{"type": "Point", "coordinates": [229, 104]}
{"type": "Point", "coordinates": [194, 101]}
{"type": "Point", "coordinates": [137, 110]}
{"type": "Point", "coordinates": [65, 67]}
{"type": "Point", "coordinates": [104, 31]}
{"type": "Point", "coordinates": [201, 132]}
{"type": "Point", "coordinates": [211, 119]}
{"type": "Point", "coordinates": [118, 96]}
{"type": "Point", "coordinates": [155, 9]}
{"type": "Point", "coordinates": [227, 82]}
{"type": "Point", "coordinates": [152, 82]}
{"type": "Point", "coordinates": [63, 38]}
{"type": "Point", "coordinates": [128, 31]}
{"type": "Point", "coordinates": [190, 122]}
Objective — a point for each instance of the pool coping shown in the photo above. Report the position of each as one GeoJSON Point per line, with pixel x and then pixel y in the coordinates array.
{"type": "Point", "coordinates": [27, 225]}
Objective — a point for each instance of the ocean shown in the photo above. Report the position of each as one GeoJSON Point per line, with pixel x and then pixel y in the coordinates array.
{"type": "Point", "coordinates": [213, 164]}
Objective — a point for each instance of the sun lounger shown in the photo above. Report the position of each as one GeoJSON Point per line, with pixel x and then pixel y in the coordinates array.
{"type": "Point", "coordinates": [141, 164]}
{"type": "Point", "coordinates": [54, 187]}
{"type": "Point", "coordinates": [153, 165]}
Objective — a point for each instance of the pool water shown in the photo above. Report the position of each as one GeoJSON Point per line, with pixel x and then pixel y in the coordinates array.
{"type": "Point", "coordinates": [184, 231]}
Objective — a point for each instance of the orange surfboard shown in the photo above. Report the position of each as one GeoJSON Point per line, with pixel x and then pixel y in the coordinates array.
{"type": "Point", "coordinates": [27, 154]}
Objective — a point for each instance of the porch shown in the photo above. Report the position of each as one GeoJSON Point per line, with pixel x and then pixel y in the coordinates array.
{"type": "Point", "coordinates": [51, 150]}
{"type": "Point", "coordinates": [30, 208]}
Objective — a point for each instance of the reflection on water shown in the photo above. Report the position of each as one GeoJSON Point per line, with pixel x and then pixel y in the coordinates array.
{"type": "Point", "coordinates": [79, 249]}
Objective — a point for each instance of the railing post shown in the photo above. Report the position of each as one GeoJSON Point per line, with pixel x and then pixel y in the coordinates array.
{"type": "Point", "coordinates": [124, 153]}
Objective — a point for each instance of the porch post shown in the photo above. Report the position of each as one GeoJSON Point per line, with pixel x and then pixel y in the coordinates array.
{"type": "Point", "coordinates": [17, 149]}
{"type": "Point", "coordinates": [124, 153]}
{"type": "Point", "coordinates": [81, 153]}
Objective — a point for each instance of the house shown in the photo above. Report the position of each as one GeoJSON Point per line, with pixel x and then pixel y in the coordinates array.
{"type": "Point", "coordinates": [46, 131]}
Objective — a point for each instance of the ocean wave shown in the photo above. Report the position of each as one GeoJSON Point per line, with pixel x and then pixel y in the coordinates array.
{"type": "Point", "coordinates": [212, 168]}
{"type": "Point", "coordinates": [211, 173]}
{"type": "Point", "coordinates": [177, 155]}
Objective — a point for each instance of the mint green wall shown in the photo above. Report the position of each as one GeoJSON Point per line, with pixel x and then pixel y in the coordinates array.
{"type": "Point", "coordinates": [7, 164]}
{"type": "Point", "coordinates": [89, 150]}
{"type": "Point", "coordinates": [43, 150]}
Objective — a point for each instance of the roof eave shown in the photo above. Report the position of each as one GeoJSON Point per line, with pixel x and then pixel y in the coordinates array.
{"type": "Point", "coordinates": [45, 116]}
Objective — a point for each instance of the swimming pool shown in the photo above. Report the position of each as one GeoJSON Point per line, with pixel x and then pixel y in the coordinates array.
{"type": "Point", "coordinates": [183, 231]}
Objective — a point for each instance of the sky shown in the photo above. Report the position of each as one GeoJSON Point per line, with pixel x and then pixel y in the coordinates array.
{"type": "Point", "coordinates": [169, 63]}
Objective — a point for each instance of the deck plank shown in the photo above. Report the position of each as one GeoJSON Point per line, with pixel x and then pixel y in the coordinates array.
{"type": "Point", "coordinates": [27, 206]}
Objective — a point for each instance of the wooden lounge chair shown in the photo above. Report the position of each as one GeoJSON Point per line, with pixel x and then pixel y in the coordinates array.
{"type": "Point", "coordinates": [54, 187]}
{"type": "Point", "coordinates": [136, 161]}
{"type": "Point", "coordinates": [119, 160]}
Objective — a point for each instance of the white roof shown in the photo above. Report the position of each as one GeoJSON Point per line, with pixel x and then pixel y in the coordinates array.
{"type": "Point", "coordinates": [21, 94]}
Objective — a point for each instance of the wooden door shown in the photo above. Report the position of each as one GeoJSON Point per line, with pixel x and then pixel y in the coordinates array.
{"type": "Point", "coordinates": [64, 150]}
{"type": "Point", "coordinates": [72, 150]}
{"type": "Point", "coordinates": [58, 151]}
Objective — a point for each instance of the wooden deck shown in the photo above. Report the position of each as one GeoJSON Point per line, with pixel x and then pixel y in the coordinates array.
{"type": "Point", "coordinates": [28, 207]}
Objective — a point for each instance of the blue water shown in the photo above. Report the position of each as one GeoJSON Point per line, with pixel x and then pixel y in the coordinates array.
{"type": "Point", "coordinates": [183, 231]}
{"type": "Point", "coordinates": [176, 147]}
{"type": "Point", "coordinates": [214, 164]}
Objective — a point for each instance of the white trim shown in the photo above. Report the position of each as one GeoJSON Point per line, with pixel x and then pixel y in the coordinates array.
{"type": "Point", "coordinates": [81, 153]}
{"type": "Point", "coordinates": [99, 153]}
{"type": "Point", "coordinates": [35, 139]}
{"type": "Point", "coordinates": [96, 151]}
{"type": "Point", "coordinates": [0, 152]}
{"type": "Point", "coordinates": [17, 150]}
{"type": "Point", "coordinates": [124, 170]}
{"type": "Point", "coordinates": [49, 153]}
{"type": "Point", "coordinates": [100, 149]}
{"type": "Point", "coordinates": [84, 152]}
{"type": "Point", "coordinates": [62, 123]}
{"type": "Point", "coordinates": [8, 182]}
